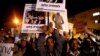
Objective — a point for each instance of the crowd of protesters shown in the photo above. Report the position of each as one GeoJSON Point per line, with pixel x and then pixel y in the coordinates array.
{"type": "Point", "coordinates": [52, 43]}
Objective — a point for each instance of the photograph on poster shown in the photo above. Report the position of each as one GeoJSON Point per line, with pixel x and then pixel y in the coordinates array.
{"type": "Point", "coordinates": [34, 17]}
{"type": "Point", "coordinates": [59, 20]}
{"type": "Point", "coordinates": [33, 21]}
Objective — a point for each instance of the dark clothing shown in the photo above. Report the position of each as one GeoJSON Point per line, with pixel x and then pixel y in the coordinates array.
{"type": "Point", "coordinates": [28, 51]}
{"type": "Point", "coordinates": [30, 21]}
{"type": "Point", "coordinates": [36, 53]}
{"type": "Point", "coordinates": [53, 53]}
{"type": "Point", "coordinates": [41, 44]}
{"type": "Point", "coordinates": [87, 48]}
{"type": "Point", "coordinates": [59, 40]}
{"type": "Point", "coordinates": [40, 22]}
{"type": "Point", "coordinates": [65, 48]}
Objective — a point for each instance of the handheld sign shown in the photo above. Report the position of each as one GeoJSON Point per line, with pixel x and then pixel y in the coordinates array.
{"type": "Point", "coordinates": [33, 21]}
{"type": "Point", "coordinates": [59, 20]}
{"type": "Point", "coordinates": [51, 5]}
{"type": "Point", "coordinates": [6, 49]}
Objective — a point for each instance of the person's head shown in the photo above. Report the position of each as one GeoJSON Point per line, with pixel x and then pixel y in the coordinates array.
{"type": "Point", "coordinates": [58, 14]}
{"type": "Point", "coordinates": [87, 42]}
{"type": "Point", "coordinates": [50, 43]}
{"type": "Point", "coordinates": [41, 17]}
{"type": "Point", "coordinates": [23, 43]}
{"type": "Point", "coordinates": [66, 35]}
{"type": "Point", "coordinates": [29, 14]}
{"type": "Point", "coordinates": [33, 44]}
{"type": "Point", "coordinates": [74, 44]}
{"type": "Point", "coordinates": [50, 30]}
{"type": "Point", "coordinates": [51, 24]}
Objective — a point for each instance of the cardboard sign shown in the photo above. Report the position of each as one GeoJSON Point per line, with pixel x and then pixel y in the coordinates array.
{"type": "Point", "coordinates": [6, 49]}
{"type": "Point", "coordinates": [33, 20]}
{"type": "Point", "coordinates": [59, 20]}
{"type": "Point", "coordinates": [51, 5]}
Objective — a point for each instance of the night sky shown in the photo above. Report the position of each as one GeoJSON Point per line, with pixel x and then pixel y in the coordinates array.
{"type": "Point", "coordinates": [9, 8]}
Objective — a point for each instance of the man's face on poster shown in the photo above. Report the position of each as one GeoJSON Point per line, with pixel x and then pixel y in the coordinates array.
{"type": "Point", "coordinates": [30, 16]}
{"type": "Point", "coordinates": [41, 17]}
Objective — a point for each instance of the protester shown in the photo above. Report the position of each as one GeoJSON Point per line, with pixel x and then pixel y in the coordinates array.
{"type": "Point", "coordinates": [74, 48]}
{"type": "Point", "coordinates": [25, 49]}
{"type": "Point", "coordinates": [66, 36]}
{"type": "Point", "coordinates": [66, 49]}
{"type": "Point", "coordinates": [41, 41]}
{"type": "Point", "coordinates": [15, 50]}
{"type": "Point", "coordinates": [34, 48]}
{"type": "Point", "coordinates": [51, 47]}
{"type": "Point", "coordinates": [87, 48]}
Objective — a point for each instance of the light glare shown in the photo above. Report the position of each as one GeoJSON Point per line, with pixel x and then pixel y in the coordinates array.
{"type": "Point", "coordinates": [96, 13]}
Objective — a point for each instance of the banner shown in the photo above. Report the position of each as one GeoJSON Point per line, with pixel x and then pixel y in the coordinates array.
{"type": "Point", "coordinates": [33, 20]}
{"type": "Point", "coordinates": [6, 49]}
{"type": "Point", "coordinates": [51, 5]}
{"type": "Point", "coordinates": [59, 20]}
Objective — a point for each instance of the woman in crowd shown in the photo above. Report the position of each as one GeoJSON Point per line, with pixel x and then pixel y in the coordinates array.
{"type": "Point", "coordinates": [25, 49]}
{"type": "Point", "coordinates": [51, 48]}
{"type": "Point", "coordinates": [34, 47]}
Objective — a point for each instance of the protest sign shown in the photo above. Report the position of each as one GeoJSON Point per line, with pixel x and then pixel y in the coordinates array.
{"type": "Point", "coordinates": [51, 5]}
{"type": "Point", "coordinates": [59, 20]}
{"type": "Point", "coordinates": [6, 49]}
{"type": "Point", "coordinates": [33, 20]}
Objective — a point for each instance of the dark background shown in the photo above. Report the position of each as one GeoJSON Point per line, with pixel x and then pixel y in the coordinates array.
{"type": "Point", "coordinates": [9, 8]}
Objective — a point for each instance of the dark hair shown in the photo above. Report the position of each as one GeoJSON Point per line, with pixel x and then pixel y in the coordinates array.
{"type": "Point", "coordinates": [41, 13]}
{"type": "Point", "coordinates": [47, 46]}
{"type": "Point", "coordinates": [29, 12]}
{"type": "Point", "coordinates": [34, 13]}
{"type": "Point", "coordinates": [65, 47]}
{"type": "Point", "coordinates": [73, 39]}
{"type": "Point", "coordinates": [71, 42]}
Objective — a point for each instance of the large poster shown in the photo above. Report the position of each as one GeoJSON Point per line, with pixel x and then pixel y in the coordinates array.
{"type": "Point", "coordinates": [6, 49]}
{"type": "Point", "coordinates": [59, 20]}
{"type": "Point", "coordinates": [51, 5]}
{"type": "Point", "coordinates": [33, 20]}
